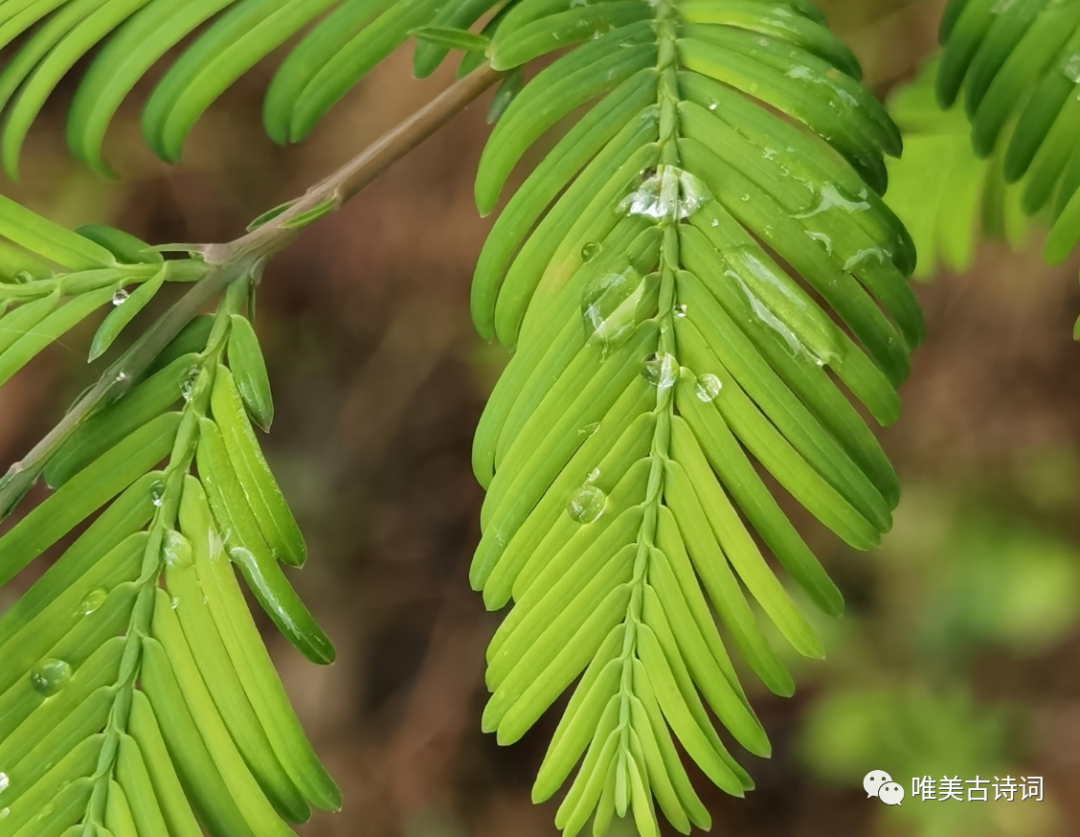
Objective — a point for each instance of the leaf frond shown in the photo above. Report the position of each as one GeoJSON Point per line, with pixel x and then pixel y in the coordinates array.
{"type": "Point", "coordinates": [692, 280]}
{"type": "Point", "coordinates": [1021, 64]}
{"type": "Point", "coordinates": [136, 694]}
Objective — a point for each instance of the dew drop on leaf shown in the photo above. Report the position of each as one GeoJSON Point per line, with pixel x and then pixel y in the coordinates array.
{"type": "Point", "coordinates": [662, 371]}
{"type": "Point", "coordinates": [680, 310]}
{"type": "Point", "coordinates": [1072, 68]}
{"type": "Point", "coordinates": [589, 429]}
{"type": "Point", "coordinates": [587, 504]}
{"type": "Point", "coordinates": [822, 239]}
{"type": "Point", "coordinates": [50, 676]}
{"type": "Point", "coordinates": [176, 549]}
{"type": "Point", "coordinates": [590, 251]}
{"type": "Point", "coordinates": [120, 297]}
{"type": "Point", "coordinates": [4, 812]}
{"type": "Point", "coordinates": [862, 256]}
{"type": "Point", "coordinates": [92, 601]}
{"type": "Point", "coordinates": [708, 387]}
{"type": "Point", "coordinates": [157, 493]}
{"type": "Point", "coordinates": [609, 307]}
{"type": "Point", "coordinates": [187, 386]}
{"type": "Point", "coordinates": [4, 782]}
{"type": "Point", "coordinates": [670, 194]}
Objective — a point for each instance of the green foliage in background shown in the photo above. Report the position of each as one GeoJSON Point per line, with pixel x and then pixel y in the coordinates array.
{"type": "Point", "coordinates": [694, 280]}
{"type": "Point", "coordinates": [968, 585]}
{"type": "Point", "coordinates": [946, 195]}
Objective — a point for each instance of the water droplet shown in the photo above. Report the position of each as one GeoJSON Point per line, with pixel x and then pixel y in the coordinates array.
{"type": "Point", "coordinates": [823, 239]}
{"type": "Point", "coordinates": [864, 255]}
{"type": "Point", "coordinates": [670, 194]}
{"type": "Point", "coordinates": [92, 601]}
{"type": "Point", "coordinates": [610, 307]}
{"type": "Point", "coordinates": [1072, 68]}
{"type": "Point", "coordinates": [708, 387]}
{"type": "Point", "coordinates": [176, 549]}
{"type": "Point", "coordinates": [662, 371]}
{"type": "Point", "coordinates": [712, 105]}
{"type": "Point", "coordinates": [239, 553]}
{"type": "Point", "coordinates": [847, 98]}
{"type": "Point", "coordinates": [832, 199]}
{"type": "Point", "coordinates": [746, 198]}
{"type": "Point", "coordinates": [120, 297]}
{"type": "Point", "coordinates": [589, 428]}
{"type": "Point", "coordinates": [4, 782]}
{"type": "Point", "coordinates": [175, 603]}
{"type": "Point", "coordinates": [765, 314]}
{"type": "Point", "coordinates": [680, 310]}
{"type": "Point", "coordinates": [157, 493]}
{"type": "Point", "coordinates": [49, 676]}
{"type": "Point", "coordinates": [4, 812]}
{"type": "Point", "coordinates": [590, 251]}
{"type": "Point", "coordinates": [594, 475]}
{"type": "Point", "coordinates": [187, 386]}
{"type": "Point", "coordinates": [757, 276]}
{"type": "Point", "coordinates": [587, 504]}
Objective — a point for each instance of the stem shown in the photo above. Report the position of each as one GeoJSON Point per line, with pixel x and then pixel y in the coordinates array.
{"type": "Point", "coordinates": [225, 263]}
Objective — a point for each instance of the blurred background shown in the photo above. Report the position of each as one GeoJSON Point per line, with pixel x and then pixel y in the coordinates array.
{"type": "Point", "coordinates": [959, 654]}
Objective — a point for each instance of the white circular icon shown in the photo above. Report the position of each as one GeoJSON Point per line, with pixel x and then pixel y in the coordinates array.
{"type": "Point", "coordinates": [891, 793]}
{"type": "Point", "coordinates": [873, 781]}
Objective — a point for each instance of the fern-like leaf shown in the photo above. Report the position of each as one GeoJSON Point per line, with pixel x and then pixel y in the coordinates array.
{"type": "Point", "coordinates": [647, 274]}
{"type": "Point", "coordinates": [352, 37]}
{"type": "Point", "coordinates": [1021, 62]}
{"type": "Point", "coordinates": [136, 695]}
{"type": "Point", "coordinates": [945, 195]}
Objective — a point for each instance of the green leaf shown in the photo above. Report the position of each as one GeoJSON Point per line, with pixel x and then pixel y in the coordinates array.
{"type": "Point", "coordinates": [249, 370]}
{"type": "Point", "coordinates": [444, 36]}
{"type": "Point", "coordinates": [126, 308]}
{"type": "Point", "coordinates": [264, 497]}
{"type": "Point", "coordinates": [49, 240]}
{"type": "Point", "coordinates": [127, 248]}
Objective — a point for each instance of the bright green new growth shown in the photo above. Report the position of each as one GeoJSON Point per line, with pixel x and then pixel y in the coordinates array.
{"type": "Point", "coordinates": [136, 696]}
{"type": "Point", "coordinates": [661, 349]}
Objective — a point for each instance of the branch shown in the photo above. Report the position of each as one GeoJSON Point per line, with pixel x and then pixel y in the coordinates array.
{"type": "Point", "coordinates": [224, 263]}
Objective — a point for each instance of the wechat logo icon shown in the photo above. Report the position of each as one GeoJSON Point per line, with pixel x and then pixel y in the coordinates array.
{"type": "Point", "coordinates": [880, 784]}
